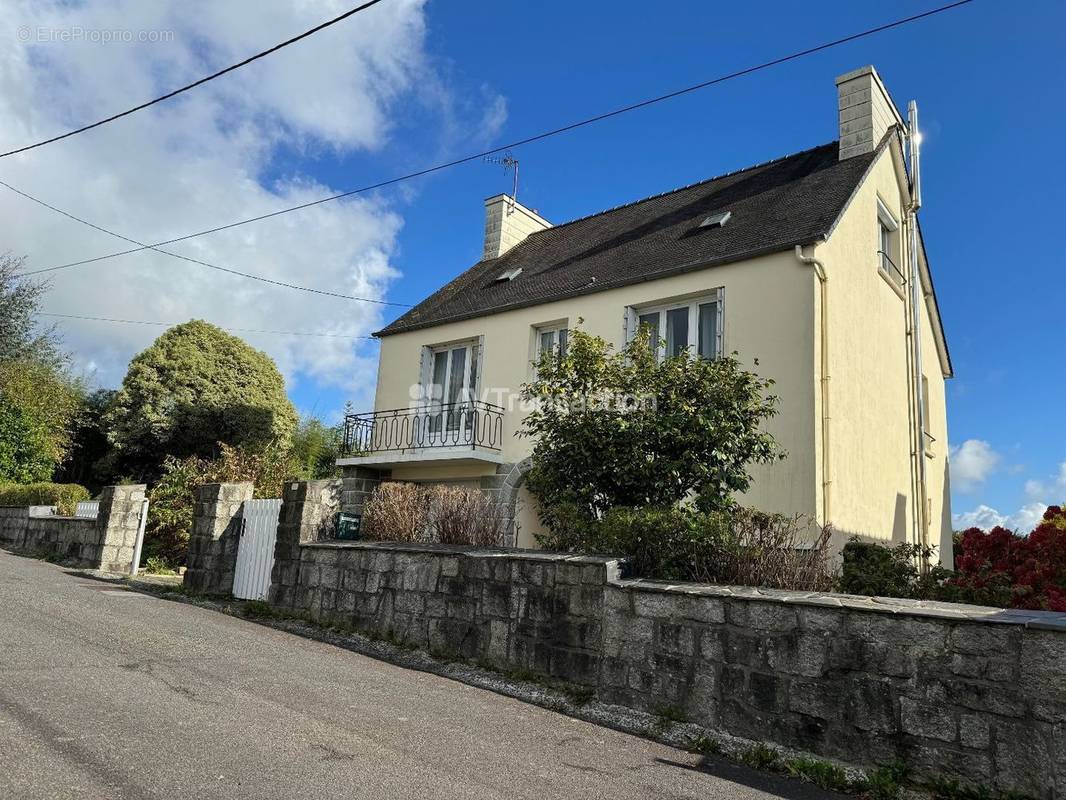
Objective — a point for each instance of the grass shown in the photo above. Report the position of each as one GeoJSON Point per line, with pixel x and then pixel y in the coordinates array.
{"type": "Point", "coordinates": [665, 716]}
{"type": "Point", "coordinates": [945, 789]}
{"type": "Point", "coordinates": [158, 566]}
{"type": "Point", "coordinates": [821, 773]}
{"type": "Point", "coordinates": [884, 783]}
{"type": "Point", "coordinates": [706, 746]}
{"type": "Point", "coordinates": [759, 757]}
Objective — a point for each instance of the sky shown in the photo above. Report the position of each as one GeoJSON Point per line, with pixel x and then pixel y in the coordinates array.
{"type": "Point", "coordinates": [410, 83]}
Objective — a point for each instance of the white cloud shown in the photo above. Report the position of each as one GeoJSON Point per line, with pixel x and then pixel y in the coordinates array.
{"type": "Point", "coordinates": [985, 517]}
{"type": "Point", "coordinates": [971, 464]}
{"type": "Point", "coordinates": [213, 155]}
{"type": "Point", "coordinates": [1052, 489]}
{"type": "Point", "coordinates": [1035, 489]}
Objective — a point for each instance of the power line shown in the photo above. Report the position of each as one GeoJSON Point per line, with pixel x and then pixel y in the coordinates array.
{"type": "Point", "coordinates": [529, 139]}
{"type": "Point", "coordinates": [172, 324]}
{"type": "Point", "coordinates": [194, 84]}
{"type": "Point", "coordinates": [196, 260]}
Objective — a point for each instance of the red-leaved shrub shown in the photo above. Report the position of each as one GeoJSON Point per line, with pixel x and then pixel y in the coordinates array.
{"type": "Point", "coordinates": [1004, 569]}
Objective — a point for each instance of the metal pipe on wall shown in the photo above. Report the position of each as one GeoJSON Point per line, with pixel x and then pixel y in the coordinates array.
{"type": "Point", "coordinates": [913, 142]}
{"type": "Point", "coordinates": [823, 298]}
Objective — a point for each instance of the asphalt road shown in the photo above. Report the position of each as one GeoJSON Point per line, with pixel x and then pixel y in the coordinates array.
{"type": "Point", "coordinates": [112, 694]}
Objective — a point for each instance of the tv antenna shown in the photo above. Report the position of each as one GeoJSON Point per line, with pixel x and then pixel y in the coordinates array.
{"type": "Point", "coordinates": [508, 162]}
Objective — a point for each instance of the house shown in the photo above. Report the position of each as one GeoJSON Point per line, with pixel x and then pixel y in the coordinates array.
{"type": "Point", "coordinates": [802, 264]}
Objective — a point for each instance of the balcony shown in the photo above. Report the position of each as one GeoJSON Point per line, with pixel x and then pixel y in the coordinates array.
{"type": "Point", "coordinates": [467, 432]}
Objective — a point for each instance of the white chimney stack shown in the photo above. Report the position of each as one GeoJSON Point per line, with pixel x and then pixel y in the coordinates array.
{"type": "Point", "coordinates": [508, 222]}
{"type": "Point", "coordinates": [866, 111]}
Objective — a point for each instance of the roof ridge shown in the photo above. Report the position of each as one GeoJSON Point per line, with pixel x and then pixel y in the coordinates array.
{"type": "Point", "coordinates": [683, 188]}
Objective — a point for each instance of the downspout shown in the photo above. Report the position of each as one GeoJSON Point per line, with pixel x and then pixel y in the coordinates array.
{"type": "Point", "coordinates": [913, 139]}
{"type": "Point", "coordinates": [823, 359]}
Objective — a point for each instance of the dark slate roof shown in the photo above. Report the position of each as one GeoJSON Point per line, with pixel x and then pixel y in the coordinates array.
{"type": "Point", "coordinates": [775, 206]}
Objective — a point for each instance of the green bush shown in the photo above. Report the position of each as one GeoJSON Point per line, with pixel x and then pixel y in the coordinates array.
{"type": "Point", "coordinates": [740, 546]}
{"type": "Point", "coordinates": [194, 387]}
{"type": "Point", "coordinates": [64, 496]}
{"type": "Point", "coordinates": [878, 571]}
{"type": "Point", "coordinates": [172, 499]}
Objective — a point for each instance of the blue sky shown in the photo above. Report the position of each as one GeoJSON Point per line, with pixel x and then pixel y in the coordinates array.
{"type": "Point", "coordinates": [988, 80]}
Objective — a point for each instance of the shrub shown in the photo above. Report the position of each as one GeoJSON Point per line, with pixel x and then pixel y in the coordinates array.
{"type": "Point", "coordinates": [194, 387]}
{"type": "Point", "coordinates": [739, 547]}
{"type": "Point", "coordinates": [64, 496]}
{"type": "Point", "coordinates": [172, 499]}
{"type": "Point", "coordinates": [771, 550]}
{"type": "Point", "coordinates": [627, 429]}
{"type": "Point", "coordinates": [997, 568]}
{"type": "Point", "coordinates": [879, 571]}
{"type": "Point", "coordinates": [397, 512]}
{"type": "Point", "coordinates": [1005, 569]}
{"type": "Point", "coordinates": [411, 512]}
{"type": "Point", "coordinates": [465, 515]}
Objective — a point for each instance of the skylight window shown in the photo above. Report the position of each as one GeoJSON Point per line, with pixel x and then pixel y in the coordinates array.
{"type": "Point", "coordinates": [510, 274]}
{"type": "Point", "coordinates": [716, 220]}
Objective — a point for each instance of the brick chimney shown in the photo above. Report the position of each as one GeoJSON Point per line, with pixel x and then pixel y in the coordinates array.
{"type": "Point", "coordinates": [507, 223]}
{"type": "Point", "coordinates": [866, 111]}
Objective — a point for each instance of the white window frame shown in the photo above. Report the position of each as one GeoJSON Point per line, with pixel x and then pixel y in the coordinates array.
{"type": "Point", "coordinates": [466, 392]}
{"type": "Point", "coordinates": [693, 303]}
{"type": "Point", "coordinates": [892, 272]}
{"type": "Point", "coordinates": [555, 330]}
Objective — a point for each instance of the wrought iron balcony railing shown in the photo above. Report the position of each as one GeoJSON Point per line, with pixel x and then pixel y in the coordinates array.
{"type": "Point", "coordinates": [472, 424]}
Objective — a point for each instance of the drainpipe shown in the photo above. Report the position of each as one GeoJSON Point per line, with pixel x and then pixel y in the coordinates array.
{"type": "Point", "coordinates": [913, 140]}
{"type": "Point", "coordinates": [823, 299]}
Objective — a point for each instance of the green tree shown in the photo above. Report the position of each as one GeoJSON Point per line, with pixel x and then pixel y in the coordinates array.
{"type": "Point", "coordinates": [39, 410]}
{"type": "Point", "coordinates": [194, 388]}
{"type": "Point", "coordinates": [624, 428]}
{"type": "Point", "coordinates": [87, 463]}
{"type": "Point", "coordinates": [316, 447]}
{"type": "Point", "coordinates": [21, 339]}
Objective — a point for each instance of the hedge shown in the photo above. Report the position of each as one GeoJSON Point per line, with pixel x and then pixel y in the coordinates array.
{"type": "Point", "coordinates": [64, 496]}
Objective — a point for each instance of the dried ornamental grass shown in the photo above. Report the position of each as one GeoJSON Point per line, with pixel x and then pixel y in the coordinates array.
{"type": "Point", "coordinates": [412, 512]}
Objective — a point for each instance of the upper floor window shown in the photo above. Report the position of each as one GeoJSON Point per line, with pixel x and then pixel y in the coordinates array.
{"type": "Point", "coordinates": [552, 339]}
{"type": "Point", "coordinates": [693, 325]}
{"type": "Point", "coordinates": [449, 378]}
{"type": "Point", "coordinates": [450, 373]}
{"type": "Point", "coordinates": [888, 249]}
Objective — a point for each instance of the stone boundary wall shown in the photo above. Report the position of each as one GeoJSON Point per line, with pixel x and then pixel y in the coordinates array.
{"type": "Point", "coordinates": [106, 542]}
{"type": "Point", "coordinates": [956, 692]}
{"type": "Point", "coordinates": [215, 537]}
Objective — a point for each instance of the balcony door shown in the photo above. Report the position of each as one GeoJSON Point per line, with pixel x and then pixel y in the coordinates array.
{"type": "Point", "coordinates": [451, 386]}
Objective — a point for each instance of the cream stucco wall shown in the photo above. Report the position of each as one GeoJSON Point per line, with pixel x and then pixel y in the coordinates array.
{"type": "Point", "coordinates": [768, 316]}
{"type": "Point", "coordinates": [870, 463]}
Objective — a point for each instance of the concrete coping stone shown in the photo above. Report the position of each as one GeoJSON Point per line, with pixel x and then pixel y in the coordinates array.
{"type": "Point", "coordinates": [513, 553]}
{"type": "Point", "coordinates": [1037, 620]}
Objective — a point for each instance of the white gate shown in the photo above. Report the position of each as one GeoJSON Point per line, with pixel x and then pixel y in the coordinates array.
{"type": "Point", "coordinates": [255, 553]}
